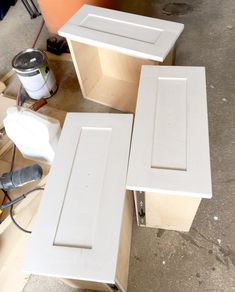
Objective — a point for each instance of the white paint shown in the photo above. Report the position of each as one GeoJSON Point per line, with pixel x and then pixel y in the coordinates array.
{"type": "Point", "coordinates": [216, 218]}
{"type": "Point", "coordinates": [85, 186]}
{"type": "Point", "coordinates": [135, 35]}
{"type": "Point", "coordinates": [170, 145]}
{"type": "Point", "coordinates": [121, 28]}
{"type": "Point", "coordinates": [170, 121]}
{"type": "Point", "coordinates": [77, 232]}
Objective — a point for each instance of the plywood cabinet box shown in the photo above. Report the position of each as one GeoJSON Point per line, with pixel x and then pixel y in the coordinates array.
{"type": "Point", "coordinates": [109, 47]}
{"type": "Point", "coordinates": [169, 168]}
{"type": "Point", "coordinates": [83, 227]}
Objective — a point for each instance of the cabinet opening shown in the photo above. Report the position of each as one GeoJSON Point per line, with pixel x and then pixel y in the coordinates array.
{"type": "Point", "coordinates": [108, 77]}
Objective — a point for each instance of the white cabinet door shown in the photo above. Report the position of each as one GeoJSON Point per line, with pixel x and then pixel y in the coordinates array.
{"type": "Point", "coordinates": [77, 232]}
{"type": "Point", "coordinates": [170, 145]}
{"type": "Point", "coordinates": [131, 34]}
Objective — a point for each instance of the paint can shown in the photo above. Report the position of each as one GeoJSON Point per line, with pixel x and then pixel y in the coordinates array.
{"type": "Point", "coordinates": [34, 73]}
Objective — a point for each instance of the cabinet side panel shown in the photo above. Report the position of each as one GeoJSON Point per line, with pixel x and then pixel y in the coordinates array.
{"type": "Point", "coordinates": [121, 66]}
{"type": "Point", "coordinates": [125, 243]}
{"type": "Point", "coordinates": [170, 212]}
{"type": "Point", "coordinates": [87, 65]}
{"type": "Point", "coordinates": [170, 58]}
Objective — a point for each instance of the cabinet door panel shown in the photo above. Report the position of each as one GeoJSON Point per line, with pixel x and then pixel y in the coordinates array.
{"type": "Point", "coordinates": [170, 145]}
{"type": "Point", "coordinates": [77, 232]}
{"type": "Point", "coordinates": [135, 35]}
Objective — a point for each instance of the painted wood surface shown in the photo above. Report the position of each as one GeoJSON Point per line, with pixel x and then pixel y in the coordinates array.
{"type": "Point", "coordinates": [170, 145]}
{"type": "Point", "coordinates": [131, 34]}
{"type": "Point", "coordinates": [84, 199]}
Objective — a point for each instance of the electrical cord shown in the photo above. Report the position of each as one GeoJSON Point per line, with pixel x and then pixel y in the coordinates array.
{"type": "Point", "coordinates": [38, 34]}
{"type": "Point", "coordinates": [16, 224]}
{"type": "Point", "coordinates": [19, 198]}
{"type": "Point", "coordinates": [11, 206]}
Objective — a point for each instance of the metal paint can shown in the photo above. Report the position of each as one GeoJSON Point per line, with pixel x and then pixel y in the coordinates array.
{"type": "Point", "coordinates": [34, 73]}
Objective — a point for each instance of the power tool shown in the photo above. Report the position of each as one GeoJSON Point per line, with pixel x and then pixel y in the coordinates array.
{"type": "Point", "coordinates": [18, 178]}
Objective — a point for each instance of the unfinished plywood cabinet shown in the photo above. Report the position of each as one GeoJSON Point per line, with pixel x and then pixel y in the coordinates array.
{"type": "Point", "coordinates": [109, 47]}
{"type": "Point", "coordinates": [169, 167]}
{"type": "Point", "coordinates": [83, 229]}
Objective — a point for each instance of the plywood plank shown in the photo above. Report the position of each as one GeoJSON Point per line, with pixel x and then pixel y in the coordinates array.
{"type": "Point", "coordinates": [87, 65]}
{"type": "Point", "coordinates": [120, 66]}
{"type": "Point", "coordinates": [122, 271]}
{"type": "Point", "coordinates": [5, 142]}
{"type": "Point", "coordinates": [13, 244]}
{"type": "Point", "coordinates": [13, 241]}
{"type": "Point", "coordinates": [116, 93]}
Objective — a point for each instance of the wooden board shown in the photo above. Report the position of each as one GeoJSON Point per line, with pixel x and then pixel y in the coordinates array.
{"type": "Point", "coordinates": [13, 245]}
{"type": "Point", "coordinates": [122, 270]}
{"type": "Point", "coordinates": [83, 234]}
{"type": "Point", "coordinates": [5, 142]}
{"type": "Point", "coordinates": [134, 35]}
{"type": "Point", "coordinates": [8, 75]}
{"type": "Point", "coordinates": [2, 86]}
{"type": "Point", "coordinates": [170, 149]}
{"type": "Point", "coordinates": [13, 242]}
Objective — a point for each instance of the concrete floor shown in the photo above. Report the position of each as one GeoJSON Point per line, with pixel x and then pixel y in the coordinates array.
{"type": "Point", "coordinates": [168, 261]}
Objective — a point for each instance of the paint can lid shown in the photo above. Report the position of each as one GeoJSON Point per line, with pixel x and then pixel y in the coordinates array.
{"type": "Point", "coordinates": [29, 60]}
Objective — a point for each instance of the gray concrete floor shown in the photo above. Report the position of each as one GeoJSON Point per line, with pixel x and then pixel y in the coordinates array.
{"type": "Point", "coordinates": [168, 261]}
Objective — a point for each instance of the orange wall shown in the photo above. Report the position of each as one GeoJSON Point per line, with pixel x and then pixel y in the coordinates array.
{"type": "Point", "coordinates": [57, 12]}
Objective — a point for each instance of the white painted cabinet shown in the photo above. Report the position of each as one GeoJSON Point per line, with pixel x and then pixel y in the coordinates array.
{"type": "Point", "coordinates": [83, 227]}
{"type": "Point", "coordinates": [169, 168]}
{"type": "Point", "coordinates": [109, 47]}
